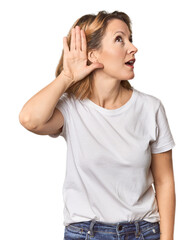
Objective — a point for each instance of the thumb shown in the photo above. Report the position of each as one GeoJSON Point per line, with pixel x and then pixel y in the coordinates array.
{"type": "Point", "coordinates": [95, 65]}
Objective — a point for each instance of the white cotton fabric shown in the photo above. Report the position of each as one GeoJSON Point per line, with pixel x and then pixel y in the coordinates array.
{"type": "Point", "coordinates": [108, 175]}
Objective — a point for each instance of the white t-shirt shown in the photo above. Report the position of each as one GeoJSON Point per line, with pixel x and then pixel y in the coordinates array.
{"type": "Point", "coordinates": [108, 175]}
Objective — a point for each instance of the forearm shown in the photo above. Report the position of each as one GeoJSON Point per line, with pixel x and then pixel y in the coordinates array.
{"type": "Point", "coordinates": [166, 198]}
{"type": "Point", "coordinates": [39, 108]}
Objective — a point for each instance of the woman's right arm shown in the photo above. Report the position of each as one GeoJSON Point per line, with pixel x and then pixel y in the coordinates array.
{"type": "Point", "coordinates": [39, 114]}
{"type": "Point", "coordinates": [40, 108]}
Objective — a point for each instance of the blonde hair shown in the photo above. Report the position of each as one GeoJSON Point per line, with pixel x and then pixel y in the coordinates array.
{"type": "Point", "coordinates": [94, 27]}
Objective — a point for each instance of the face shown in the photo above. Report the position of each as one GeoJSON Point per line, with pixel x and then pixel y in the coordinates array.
{"type": "Point", "coordinates": [117, 49]}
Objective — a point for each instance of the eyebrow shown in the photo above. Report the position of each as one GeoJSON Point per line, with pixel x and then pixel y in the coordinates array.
{"type": "Point", "coordinates": [122, 33]}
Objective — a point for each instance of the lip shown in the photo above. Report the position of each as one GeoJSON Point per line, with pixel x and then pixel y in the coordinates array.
{"type": "Point", "coordinates": [129, 66]}
{"type": "Point", "coordinates": [133, 59]}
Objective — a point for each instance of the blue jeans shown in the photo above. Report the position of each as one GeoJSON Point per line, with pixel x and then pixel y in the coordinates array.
{"type": "Point", "coordinates": [96, 230]}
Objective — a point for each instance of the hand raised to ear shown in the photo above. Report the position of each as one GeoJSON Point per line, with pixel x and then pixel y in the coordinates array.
{"type": "Point", "coordinates": [75, 60]}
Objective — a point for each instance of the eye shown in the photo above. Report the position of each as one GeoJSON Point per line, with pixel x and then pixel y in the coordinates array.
{"type": "Point", "coordinates": [119, 37]}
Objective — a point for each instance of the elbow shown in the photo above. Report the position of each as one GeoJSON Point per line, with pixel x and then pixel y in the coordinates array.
{"type": "Point", "coordinates": [26, 122]}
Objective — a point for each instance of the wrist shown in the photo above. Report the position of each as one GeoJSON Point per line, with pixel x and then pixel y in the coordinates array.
{"type": "Point", "coordinates": [65, 81]}
{"type": "Point", "coordinates": [66, 77]}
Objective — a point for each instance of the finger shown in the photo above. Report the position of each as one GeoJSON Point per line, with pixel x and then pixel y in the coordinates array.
{"type": "Point", "coordinates": [94, 66]}
{"type": "Point", "coordinates": [83, 41]}
{"type": "Point", "coordinates": [78, 38]}
{"type": "Point", "coordinates": [72, 43]}
{"type": "Point", "coordinates": [65, 44]}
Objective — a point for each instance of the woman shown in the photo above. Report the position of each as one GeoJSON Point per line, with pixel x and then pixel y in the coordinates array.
{"type": "Point", "coordinates": [119, 178]}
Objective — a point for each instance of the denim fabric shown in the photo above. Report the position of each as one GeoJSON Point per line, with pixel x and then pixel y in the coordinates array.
{"type": "Point", "coordinates": [96, 230]}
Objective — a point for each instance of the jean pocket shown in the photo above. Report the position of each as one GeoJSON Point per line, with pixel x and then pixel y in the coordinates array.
{"type": "Point", "coordinates": [74, 232]}
{"type": "Point", "coordinates": [152, 232]}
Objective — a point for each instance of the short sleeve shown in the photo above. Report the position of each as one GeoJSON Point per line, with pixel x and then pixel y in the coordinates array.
{"type": "Point", "coordinates": [164, 139]}
{"type": "Point", "coordinates": [62, 106]}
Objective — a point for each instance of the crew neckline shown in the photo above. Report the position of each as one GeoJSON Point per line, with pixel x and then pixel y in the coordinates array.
{"type": "Point", "coordinates": [90, 103]}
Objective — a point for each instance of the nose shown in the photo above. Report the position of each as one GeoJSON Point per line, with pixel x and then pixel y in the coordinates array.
{"type": "Point", "coordinates": [132, 48]}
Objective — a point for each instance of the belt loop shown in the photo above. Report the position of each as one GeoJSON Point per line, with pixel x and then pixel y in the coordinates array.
{"type": "Point", "coordinates": [137, 228]}
{"type": "Point", "coordinates": [90, 232]}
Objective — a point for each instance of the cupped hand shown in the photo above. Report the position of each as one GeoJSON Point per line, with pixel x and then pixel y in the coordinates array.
{"type": "Point", "coordinates": [75, 59]}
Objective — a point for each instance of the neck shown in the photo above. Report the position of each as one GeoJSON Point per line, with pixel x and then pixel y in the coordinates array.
{"type": "Point", "coordinates": [106, 92]}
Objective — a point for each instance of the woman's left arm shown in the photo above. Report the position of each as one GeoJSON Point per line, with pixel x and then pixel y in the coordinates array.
{"type": "Point", "coordinates": [162, 170]}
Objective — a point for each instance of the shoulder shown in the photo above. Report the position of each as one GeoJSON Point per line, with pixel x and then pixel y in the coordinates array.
{"type": "Point", "coordinates": [65, 98]}
{"type": "Point", "coordinates": [70, 102]}
{"type": "Point", "coordinates": [147, 100]}
{"type": "Point", "coordinates": [65, 102]}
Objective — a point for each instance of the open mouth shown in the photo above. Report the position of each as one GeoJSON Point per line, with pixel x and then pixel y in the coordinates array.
{"type": "Point", "coordinates": [130, 63]}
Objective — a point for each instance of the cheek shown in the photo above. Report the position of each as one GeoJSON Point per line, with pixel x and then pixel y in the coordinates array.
{"type": "Point", "coordinates": [112, 57]}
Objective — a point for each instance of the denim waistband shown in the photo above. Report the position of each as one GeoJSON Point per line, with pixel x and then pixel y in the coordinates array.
{"type": "Point", "coordinates": [114, 228]}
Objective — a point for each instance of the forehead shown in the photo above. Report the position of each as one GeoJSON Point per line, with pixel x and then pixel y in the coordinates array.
{"type": "Point", "coordinates": [116, 25]}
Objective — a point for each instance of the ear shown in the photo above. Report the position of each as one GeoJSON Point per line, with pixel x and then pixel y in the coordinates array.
{"type": "Point", "coordinates": [92, 56]}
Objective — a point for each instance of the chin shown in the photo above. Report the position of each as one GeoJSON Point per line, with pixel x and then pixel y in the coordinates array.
{"type": "Point", "coordinates": [128, 77]}
{"type": "Point", "coordinates": [132, 77]}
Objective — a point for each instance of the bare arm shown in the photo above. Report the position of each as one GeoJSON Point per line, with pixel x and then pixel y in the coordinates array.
{"type": "Point", "coordinates": [37, 113]}
{"type": "Point", "coordinates": [162, 170]}
{"type": "Point", "coordinates": [39, 108]}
